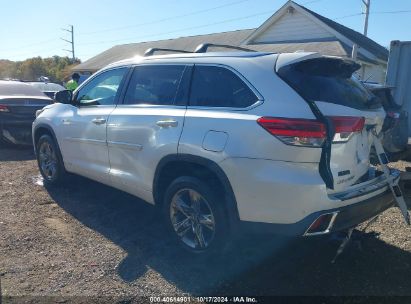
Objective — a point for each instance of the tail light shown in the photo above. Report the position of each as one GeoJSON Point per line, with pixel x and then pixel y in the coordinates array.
{"type": "Point", "coordinates": [4, 108]}
{"type": "Point", "coordinates": [295, 131]}
{"type": "Point", "coordinates": [346, 126]}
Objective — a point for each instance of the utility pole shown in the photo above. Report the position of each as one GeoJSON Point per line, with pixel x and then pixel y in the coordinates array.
{"type": "Point", "coordinates": [367, 4]}
{"type": "Point", "coordinates": [71, 31]}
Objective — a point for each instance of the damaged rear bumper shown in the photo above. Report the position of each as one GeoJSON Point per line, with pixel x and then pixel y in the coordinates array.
{"type": "Point", "coordinates": [16, 131]}
{"type": "Point", "coordinates": [336, 219]}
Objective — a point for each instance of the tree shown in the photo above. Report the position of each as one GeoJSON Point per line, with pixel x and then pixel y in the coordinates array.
{"type": "Point", "coordinates": [56, 68]}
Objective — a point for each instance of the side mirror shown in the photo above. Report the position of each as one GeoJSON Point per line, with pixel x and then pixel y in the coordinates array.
{"type": "Point", "coordinates": [64, 96]}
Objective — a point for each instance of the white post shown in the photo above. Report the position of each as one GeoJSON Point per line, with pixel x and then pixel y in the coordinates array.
{"type": "Point", "coordinates": [367, 4]}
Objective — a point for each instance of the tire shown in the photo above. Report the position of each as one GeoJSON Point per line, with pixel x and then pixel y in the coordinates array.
{"type": "Point", "coordinates": [49, 160]}
{"type": "Point", "coordinates": [211, 219]}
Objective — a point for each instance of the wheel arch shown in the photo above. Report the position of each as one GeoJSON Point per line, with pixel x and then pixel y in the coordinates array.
{"type": "Point", "coordinates": [42, 129]}
{"type": "Point", "coordinates": [185, 161]}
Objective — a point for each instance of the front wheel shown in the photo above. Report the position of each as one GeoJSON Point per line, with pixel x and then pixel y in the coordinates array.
{"type": "Point", "coordinates": [195, 215]}
{"type": "Point", "coordinates": [49, 160]}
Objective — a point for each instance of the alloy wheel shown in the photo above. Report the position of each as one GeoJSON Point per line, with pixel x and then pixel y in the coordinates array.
{"type": "Point", "coordinates": [47, 160]}
{"type": "Point", "coordinates": [192, 219]}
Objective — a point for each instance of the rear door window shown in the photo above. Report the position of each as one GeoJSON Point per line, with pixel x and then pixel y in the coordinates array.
{"type": "Point", "coordinates": [155, 85]}
{"type": "Point", "coordinates": [214, 86]}
{"type": "Point", "coordinates": [329, 80]}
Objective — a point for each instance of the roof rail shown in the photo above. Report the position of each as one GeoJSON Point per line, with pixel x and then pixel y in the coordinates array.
{"type": "Point", "coordinates": [202, 48]}
{"type": "Point", "coordinates": [151, 51]}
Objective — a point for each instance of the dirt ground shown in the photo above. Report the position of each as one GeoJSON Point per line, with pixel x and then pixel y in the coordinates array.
{"type": "Point", "coordinates": [86, 239]}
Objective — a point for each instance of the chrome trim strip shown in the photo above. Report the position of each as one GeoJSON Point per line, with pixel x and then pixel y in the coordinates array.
{"type": "Point", "coordinates": [259, 101]}
{"type": "Point", "coordinates": [125, 145]}
{"type": "Point", "coordinates": [369, 187]}
{"type": "Point", "coordinates": [86, 140]}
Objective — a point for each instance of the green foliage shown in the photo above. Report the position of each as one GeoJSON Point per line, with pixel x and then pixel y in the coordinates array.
{"type": "Point", "coordinates": [56, 68]}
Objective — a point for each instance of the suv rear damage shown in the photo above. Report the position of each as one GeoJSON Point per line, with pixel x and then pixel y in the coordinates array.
{"type": "Point", "coordinates": [221, 141]}
{"type": "Point", "coordinates": [351, 116]}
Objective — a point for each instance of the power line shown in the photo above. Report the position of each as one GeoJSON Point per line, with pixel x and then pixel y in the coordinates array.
{"type": "Point", "coordinates": [166, 19]}
{"type": "Point", "coordinates": [29, 45]}
{"type": "Point", "coordinates": [347, 16]}
{"type": "Point", "coordinates": [372, 13]}
{"type": "Point", "coordinates": [309, 2]}
{"type": "Point", "coordinates": [393, 12]}
{"type": "Point", "coordinates": [182, 29]}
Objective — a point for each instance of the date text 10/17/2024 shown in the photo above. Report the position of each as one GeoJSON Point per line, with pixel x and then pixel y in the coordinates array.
{"type": "Point", "coordinates": [189, 299]}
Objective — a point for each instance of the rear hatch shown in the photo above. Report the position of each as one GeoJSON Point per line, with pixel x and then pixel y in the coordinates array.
{"type": "Point", "coordinates": [20, 101]}
{"type": "Point", "coordinates": [349, 111]}
{"type": "Point", "coordinates": [22, 107]}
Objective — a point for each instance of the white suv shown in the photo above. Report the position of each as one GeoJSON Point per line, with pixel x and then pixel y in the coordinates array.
{"type": "Point", "coordinates": [222, 141]}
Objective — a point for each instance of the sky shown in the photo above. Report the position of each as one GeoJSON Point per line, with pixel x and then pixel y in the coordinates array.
{"type": "Point", "coordinates": [35, 28]}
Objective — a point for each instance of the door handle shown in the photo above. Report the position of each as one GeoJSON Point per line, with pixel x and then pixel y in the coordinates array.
{"type": "Point", "coordinates": [99, 121]}
{"type": "Point", "coordinates": [167, 123]}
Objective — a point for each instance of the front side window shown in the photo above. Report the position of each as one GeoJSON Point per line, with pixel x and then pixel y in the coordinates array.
{"type": "Point", "coordinates": [102, 89]}
{"type": "Point", "coordinates": [154, 85]}
{"type": "Point", "coordinates": [214, 86]}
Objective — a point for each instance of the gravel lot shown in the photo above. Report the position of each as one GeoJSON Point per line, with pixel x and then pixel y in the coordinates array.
{"type": "Point", "coordinates": [91, 240]}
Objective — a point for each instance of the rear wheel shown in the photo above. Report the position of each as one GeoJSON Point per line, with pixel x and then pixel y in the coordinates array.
{"type": "Point", "coordinates": [49, 160]}
{"type": "Point", "coordinates": [195, 215]}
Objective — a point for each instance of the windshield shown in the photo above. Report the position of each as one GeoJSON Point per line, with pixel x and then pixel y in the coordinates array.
{"type": "Point", "coordinates": [329, 80]}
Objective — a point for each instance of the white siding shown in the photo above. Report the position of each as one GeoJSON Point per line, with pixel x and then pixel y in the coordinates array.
{"type": "Point", "coordinates": [375, 73]}
{"type": "Point", "coordinates": [294, 26]}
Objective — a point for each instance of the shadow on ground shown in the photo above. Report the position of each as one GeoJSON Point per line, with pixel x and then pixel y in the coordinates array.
{"type": "Point", "coordinates": [10, 152]}
{"type": "Point", "coordinates": [256, 266]}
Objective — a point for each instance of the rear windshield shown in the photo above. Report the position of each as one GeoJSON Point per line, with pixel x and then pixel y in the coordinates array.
{"type": "Point", "coordinates": [47, 87]}
{"type": "Point", "coordinates": [14, 88]}
{"type": "Point", "coordinates": [329, 80]}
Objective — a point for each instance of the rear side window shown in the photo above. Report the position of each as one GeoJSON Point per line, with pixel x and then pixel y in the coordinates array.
{"type": "Point", "coordinates": [329, 80]}
{"type": "Point", "coordinates": [154, 84]}
{"type": "Point", "coordinates": [214, 86]}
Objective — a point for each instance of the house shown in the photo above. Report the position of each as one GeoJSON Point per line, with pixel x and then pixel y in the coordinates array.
{"type": "Point", "coordinates": [292, 28]}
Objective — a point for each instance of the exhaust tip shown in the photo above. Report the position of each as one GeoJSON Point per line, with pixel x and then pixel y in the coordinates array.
{"type": "Point", "coordinates": [322, 225]}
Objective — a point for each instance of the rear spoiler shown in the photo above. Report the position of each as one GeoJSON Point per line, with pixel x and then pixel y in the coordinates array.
{"type": "Point", "coordinates": [310, 61]}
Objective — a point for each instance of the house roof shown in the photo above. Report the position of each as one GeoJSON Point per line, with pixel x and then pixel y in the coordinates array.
{"type": "Point", "coordinates": [358, 38]}
{"type": "Point", "coordinates": [331, 46]}
{"type": "Point", "coordinates": [124, 51]}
